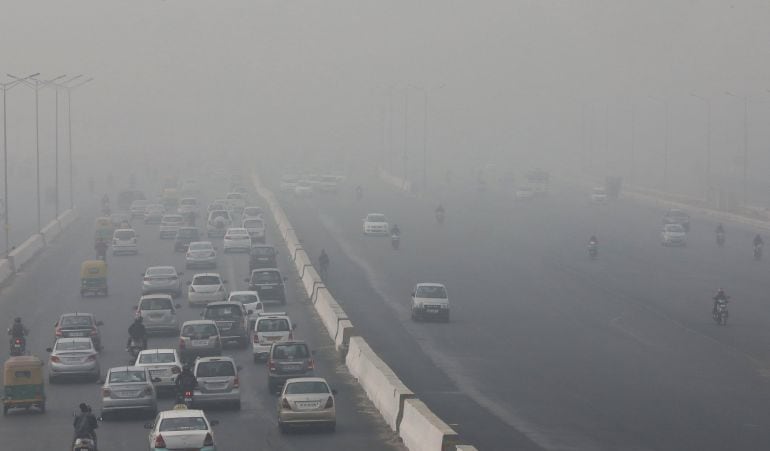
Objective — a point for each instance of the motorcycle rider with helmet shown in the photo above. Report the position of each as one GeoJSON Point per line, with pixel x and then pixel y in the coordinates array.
{"type": "Point", "coordinates": [85, 424]}
{"type": "Point", "coordinates": [395, 231]}
{"type": "Point", "coordinates": [758, 241]}
{"type": "Point", "coordinates": [18, 331]}
{"type": "Point", "coordinates": [137, 332]}
{"type": "Point", "coordinates": [719, 298]}
{"type": "Point", "coordinates": [186, 381]}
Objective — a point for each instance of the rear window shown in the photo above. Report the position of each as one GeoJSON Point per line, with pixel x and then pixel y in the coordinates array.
{"type": "Point", "coordinates": [76, 321]}
{"type": "Point", "coordinates": [155, 304]}
{"type": "Point", "coordinates": [253, 223]}
{"type": "Point", "coordinates": [161, 271]}
{"type": "Point", "coordinates": [244, 298]}
{"type": "Point", "coordinates": [431, 292]}
{"type": "Point", "coordinates": [273, 325]}
{"type": "Point", "coordinates": [203, 330]}
{"type": "Point", "coordinates": [292, 351]}
{"type": "Point", "coordinates": [157, 357]}
{"type": "Point", "coordinates": [215, 369]}
{"type": "Point", "coordinates": [266, 277]}
{"type": "Point", "coordinates": [375, 218]}
{"type": "Point", "coordinates": [263, 251]}
{"type": "Point", "coordinates": [173, 219]}
{"type": "Point", "coordinates": [302, 388]}
{"type": "Point", "coordinates": [187, 233]}
{"type": "Point", "coordinates": [201, 247]}
{"type": "Point", "coordinates": [219, 214]}
{"type": "Point", "coordinates": [124, 377]}
{"type": "Point", "coordinates": [226, 312]}
{"type": "Point", "coordinates": [183, 424]}
{"type": "Point", "coordinates": [207, 280]}
{"type": "Point", "coordinates": [73, 345]}
{"type": "Point", "coordinates": [188, 202]}
{"type": "Point", "coordinates": [124, 234]}
{"type": "Point", "coordinates": [252, 211]}
{"type": "Point", "coordinates": [235, 196]}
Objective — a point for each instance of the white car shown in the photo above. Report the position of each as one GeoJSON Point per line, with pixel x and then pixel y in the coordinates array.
{"type": "Point", "coordinates": [237, 239]}
{"type": "Point", "coordinates": [205, 288]}
{"type": "Point", "coordinates": [524, 192]}
{"type": "Point", "coordinates": [673, 235]}
{"type": "Point", "coordinates": [124, 242]}
{"type": "Point", "coordinates": [599, 195]}
{"type": "Point", "coordinates": [201, 254]}
{"type": "Point", "coordinates": [273, 327]}
{"type": "Point", "coordinates": [182, 429]}
{"type": "Point", "coordinates": [251, 302]}
{"type": "Point", "coordinates": [289, 182]}
{"type": "Point", "coordinates": [430, 300]}
{"type": "Point", "coordinates": [158, 312]}
{"type": "Point", "coordinates": [187, 205]}
{"type": "Point", "coordinates": [164, 364]}
{"type": "Point", "coordinates": [218, 381]}
{"type": "Point", "coordinates": [303, 189]}
{"type": "Point", "coordinates": [169, 224]}
{"type": "Point", "coordinates": [307, 401]}
{"type": "Point", "coordinates": [255, 228]}
{"type": "Point", "coordinates": [236, 201]}
{"type": "Point", "coordinates": [218, 223]}
{"type": "Point", "coordinates": [253, 212]}
{"type": "Point", "coordinates": [138, 207]}
{"type": "Point", "coordinates": [376, 224]}
{"type": "Point", "coordinates": [328, 184]}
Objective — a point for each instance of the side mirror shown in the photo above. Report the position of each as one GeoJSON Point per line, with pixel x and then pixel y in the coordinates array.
{"type": "Point", "coordinates": [148, 425]}
{"type": "Point", "coordinates": [136, 307]}
{"type": "Point", "coordinates": [334, 391]}
{"type": "Point", "coordinates": [180, 273]}
{"type": "Point", "coordinates": [202, 313]}
{"type": "Point", "coordinates": [100, 323]}
{"type": "Point", "coordinates": [238, 367]}
{"type": "Point", "coordinates": [312, 352]}
{"type": "Point", "coordinates": [285, 279]}
{"type": "Point", "coordinates": [293, 326]}
{"type": "Point", "coordinates": [413, 293]}
{"type": "Point", "coordinates": [214, 422]}
{"type": "Point", "coordinates": [247, 280]}
{"type": "Point", "coordinates": [177, 305]}
{"type": "Point", "coordinates": [48, 350]}
{"type": "Point", "coordinates": [224, 281]}
{"type": "Point", "coordinates": [142, 274]}
{"type": "Point", "coordinates": [100, 382]}
{"type": "Point", "coordinates": [189, 282]}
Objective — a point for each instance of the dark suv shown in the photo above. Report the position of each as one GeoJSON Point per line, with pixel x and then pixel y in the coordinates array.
{"type": "Point", "coordinates": [231, 319]}
{"type": "Point", "coordinates": [262, 257]}
{"type": "Point", "coordinates": [287, 360]}
{"type": "Point", "coordinates": [185, 236]}
{"type": "Point", "coordinates": [269, 284]}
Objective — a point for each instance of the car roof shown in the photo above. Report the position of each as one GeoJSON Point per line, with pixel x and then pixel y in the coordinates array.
{"type": "Point", "coordinates": [84, 339]}
{"type": "Point", "coordinates": [182, 413]}
{"type": "Point", "coordinates": [290, 343]}
{"type": "Point", "coordinates": [158, 351]}
{"type": "Point", "coordinates": [244, 292]}
{"type": "Point", "coordinates": [219, 304]}
{"type": "Point", "coordinates": [202, 242]}
{"type": "Point", "coordinates": [307, 379]}
{"type": "Point", "coordinates": [375, 214]}
{"type": "Point", "coordinates": [161, 267]}
{"type": "Point", "coordinates": [223, 358]}
{"type": "Point", "coordinates": [189, 228]}
{"type": "Point", "coordinates": [125, 230]}
{"type": "Point", "coordinates": [272, 315]}
{"type": "Point", "coordinates": [430, 284]}
{"type": "Point", "coordinates": [207, 274]}
{"type": "Point", "coordinates": [156, 296]}
{"type": "Point", "coordinates": [265, 270]}
{"type": "Point", "coordinates": [238, 229]}
{"type": "Point", "coordinates": [77, 314]}
{"type": "Point", "coordinates": [198, 321]}
{"type": "Point", "coordinates": [127, 368]}
{"type": "Point", "coordinates": [173, 216]}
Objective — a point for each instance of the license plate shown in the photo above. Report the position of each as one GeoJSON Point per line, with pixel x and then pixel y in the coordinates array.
{"type": "Point", "coordinates": [272, 338]}
{"type": "Point", "coordinates": [308, 404]}
{"type": "Point", "coordinates": [432, 310]}
{"type": "Point", "coordinates": [200, 342]}
{"type": "Point", "coordinates": [77, 334]}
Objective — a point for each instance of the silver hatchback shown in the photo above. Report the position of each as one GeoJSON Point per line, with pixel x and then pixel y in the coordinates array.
{"type": "Point", "coordinates": [162, 279]}
{"type": "Point", "coordinates": [199, 338]}
{"type": "Point", "coordinates": [217, 381]}
{"type": "Point", "coordinates": [159, 313]}
{"type": "Point", "coordinates": [129, 388]}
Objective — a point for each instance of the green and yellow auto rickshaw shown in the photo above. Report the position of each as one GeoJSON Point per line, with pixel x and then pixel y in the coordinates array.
{"type": "Point", "coordinates": [104, 229]}
{"type": "Point", "coordinates": [93, 278]}
{"type": "Point", "coordinates": [23, 384]}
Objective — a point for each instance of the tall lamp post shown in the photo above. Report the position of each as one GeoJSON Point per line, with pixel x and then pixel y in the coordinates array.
{"type": "Point", "coordinates": [69, 133]}
{"type": "Point", "coordinates": [424, 134]}
{"type": "Point", "coordinates": [36, 86]}
{"type": "Point", "coordinates": [6, 227]}
{"type": "Point", "coordinates": [665, 144]}
{"type": "Point", "coordinates": [745, 143]}
{"type": "Point", "coordinates": [708, 137]}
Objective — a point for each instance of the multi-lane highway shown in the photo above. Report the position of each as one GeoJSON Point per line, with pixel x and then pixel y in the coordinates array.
{"type": "Point", "coordinates": [548, 349]}
{"type": "Point", "coordinates": [49, 286]}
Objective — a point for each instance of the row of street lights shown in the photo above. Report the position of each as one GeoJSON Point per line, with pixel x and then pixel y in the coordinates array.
{"type": "Point", "coordinates": [31, 81]}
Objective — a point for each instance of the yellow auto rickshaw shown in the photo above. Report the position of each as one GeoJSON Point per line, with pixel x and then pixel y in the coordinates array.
{"type": "Point", "coordinates": [93, 277]}
{"type": "Point", "coordinates": [23, 381]}
{"type": "Point", "coordinates": [104, 229]}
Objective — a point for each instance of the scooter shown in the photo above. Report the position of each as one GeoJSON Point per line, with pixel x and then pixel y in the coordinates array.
{"type": "Point", "coordinates": [440, 217]}
{"type": "Point", "coordinates": [720, 314]}
{"type": "Point", "coordinates": [134, 348]}
{"type": "Point", "coordinates": [593, 250]}
{"type": "Point", "coordinates": [395, 240]}
{"type": "Point", "coordinates": [83, 444]}
{"type": "Point", "coordinates": [18, 346]}
{"type": "Point", "coordinates": [757, 252]}
{"type": "Point", "coordinates": [720, 239]}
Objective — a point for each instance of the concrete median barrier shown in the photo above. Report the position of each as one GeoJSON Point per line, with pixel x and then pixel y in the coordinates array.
{"type": "Point", "coordinates": [51, 231]}
{"type": "Point", "coordinates": [329, 311]}
{"type": "Point", "coordinates": [380, 383]}
{"type": "Point", "coordinates": [464, 448]}
{"type": "Point", "coordinates": [345, 331]}
{"type": "Point", "coordinates": [6, 270]}
{"type": "Point", "coordinates": [301, 261]}
{"type": "Point", "coordinates": [25, 251]}
{"type": "Point", "coordinates": [422, 430]}
{"type": "Point", "coordinates": [311, 281]}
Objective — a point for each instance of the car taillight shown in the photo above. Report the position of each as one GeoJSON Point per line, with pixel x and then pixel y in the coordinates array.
{"type": "Point", "coordinates": [329, 403]}
{"type": "Point", "coordinates": [146, 279]}
{"type": "Point", "coordinates": [311, 364]}
{"type": "Point", "coordinates": [236, 382]}
{"type": "Point", "coordinates": [58, 332]}
{"type": "Point", "coordinates": [187, 255]}
{"type": "Point", "coordinates": [114, 241]}
{"type": "Point", "coordinates": [188, 394]}
{"type": "Point", "coordinates": [192, 290]}
{"type": "Point", "coordinates": [181, 343]}
{"type": "Point", "coordinates": [175, 370]}
{"type": "Point", "coordinates": [55, 359]}
{"type": "Point", "coordinates": [256, 338]}
{"type": "Point", "coordinates": [106, 393]}
{"type": "Point", "coordinates": [271, 365]}
{"type": "Point", "coordinates": [91, 358]}
{"type": "Point", "coordinates": [209, 441]}
{"type": "Point", "coordinates": [159, 442]}
{"type": "Point", "coordinates": [285, 404]}
{"type": "Point", "coordinates": [18, 341]}
{"type": "Point", "coordinates": [94, 332]}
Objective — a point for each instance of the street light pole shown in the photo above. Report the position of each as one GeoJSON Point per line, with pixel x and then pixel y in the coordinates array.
{"type": "Point", "coordinates": [69, 127]}
{"type": "Point", "coordinates": [708, 138]}
{"type": "Point", "coordinates": [745, 144]}
{"type": "Point", "coordinates": [665, 145]}
{"type": "Point", "coordinates": [633, 143]}
{"type": "Point", "coordinates": [406, 132]}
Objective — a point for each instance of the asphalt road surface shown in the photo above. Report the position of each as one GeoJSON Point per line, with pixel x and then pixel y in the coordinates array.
{"type": "Point", "coordinates": [546, 348]}
{"type": "Point", "coordinates": [49, 286]}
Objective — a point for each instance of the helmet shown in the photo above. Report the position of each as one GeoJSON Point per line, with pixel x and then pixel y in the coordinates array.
{"type": "Point", "coordinates": [17, 320]}
{"type": "Point", "coordinates": [84, 407]}
{"type": "Point", "coordinates": [139, 319]}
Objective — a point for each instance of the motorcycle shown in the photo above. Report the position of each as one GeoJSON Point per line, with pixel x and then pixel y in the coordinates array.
{"type": "Point", "coordinates": [720, 239]}
{"type": "Point", "coordinates": [359, 194]}
{"type": "Point", "coordinates": [720, 313]}
{"type": "Point", "coordinates": [593, 250]}
{"type": "Point", "coordinates": [134, 348]}
{"type": "Point", "coordinates": [757, 252]}
{"type": "Point", "coordinates": [18, 346]}
{"type": "Point", "coordinates": [395, 240]}
{"type": "Point", "coordinates": [84, 444]}
{"type": "Point", "coordinates": [440, 216]}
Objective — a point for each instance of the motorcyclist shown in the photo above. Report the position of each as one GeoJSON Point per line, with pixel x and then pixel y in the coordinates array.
{"type": "Point", "coordinates": [758, 241]}
{"type": "Point", "coordinates": [101, 249]}
{"type": "Point", "coordinates": [137, 331]}
{"type": "Point", "coordinates": [85, 424]}
{"type": "Point", "coordinates": [359, 192]}
{"type": "Point", "coordinates": [323, 260]}
{"type": "Point", "coordinates": [593, 241]}
{"type": "Point", "coordinates": [186, 381]}
{"type": "Point", "coordinates": [395, 231]}
{"type": "Point", "coordinates": [105, 200]}
{"type": "Point", "coordinates": [720, 229]}
{"type": "Point", "coordinates": [440, 209]}
{"type": "Point", "coordinates": [720, 297]}
{"type": "Point", "coordinates": [17, 329]}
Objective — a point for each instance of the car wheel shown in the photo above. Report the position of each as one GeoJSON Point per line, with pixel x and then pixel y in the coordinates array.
{"type": "Point", "coordinates": [281, 427]}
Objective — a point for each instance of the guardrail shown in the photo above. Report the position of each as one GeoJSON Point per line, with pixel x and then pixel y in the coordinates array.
{"type": "Point", "coordinates": [419, 428]}
{"type": "Point", "coordinates": [19, 256]}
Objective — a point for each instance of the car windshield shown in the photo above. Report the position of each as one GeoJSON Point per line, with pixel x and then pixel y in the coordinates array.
{"type": "Point", "coordinates": [292, 351]}
{"type": "Point", "coordinates": [76, 321]}
{"type": "Point", "coordinates": [431, 292]}
{"type": "Point", "coordinates": [72, 345]}
{"type": "Point", "coordinates": [187, 233]}
{"type": "Point", "coordinates": [244, 298]}
{"type": "Point", "coordinates": [155, 304]}
{"type": "Point", "coordinates": [306, 387]}
{"type": "Point", "coordinates": [253, 223]}
{"type": "Point", "coordinates": [156, 357]}
{"type": "Point", "coordinates": [123, 377]}
{"type": "Point", "coordinates": [183, 424]}
{"type": "Point", "coordinates": [161, 271]}
{"type": "Point", "coordinates": [273, 325]}
{"type": "Point", "coordinates": [375, 218]}
{"type": "Point", "coordinates": [226, 312]}
{"type": "Point", "coordinates": [252, 211]}
{"type": "Point", "coordinates": [207, 280]}
{"type": "Point", "coordinates": [235, 196]}
{"type": "Point", "coordinates": [201, 247]}
{"type": "Point", "coordinates": [215, 369]}
{"type": "Point", "coordinates": [219, 214]}
{"type": "Point", "coordinates": [265, 277]}
{"type": "Point", "coordinates": [124, 234]}
{"type": "Point", "coordinates": [172, 219]}
{"type": "Point", "coordinates": [203, 330]}
{"type": "Point", "coordinates": [263, 251]}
